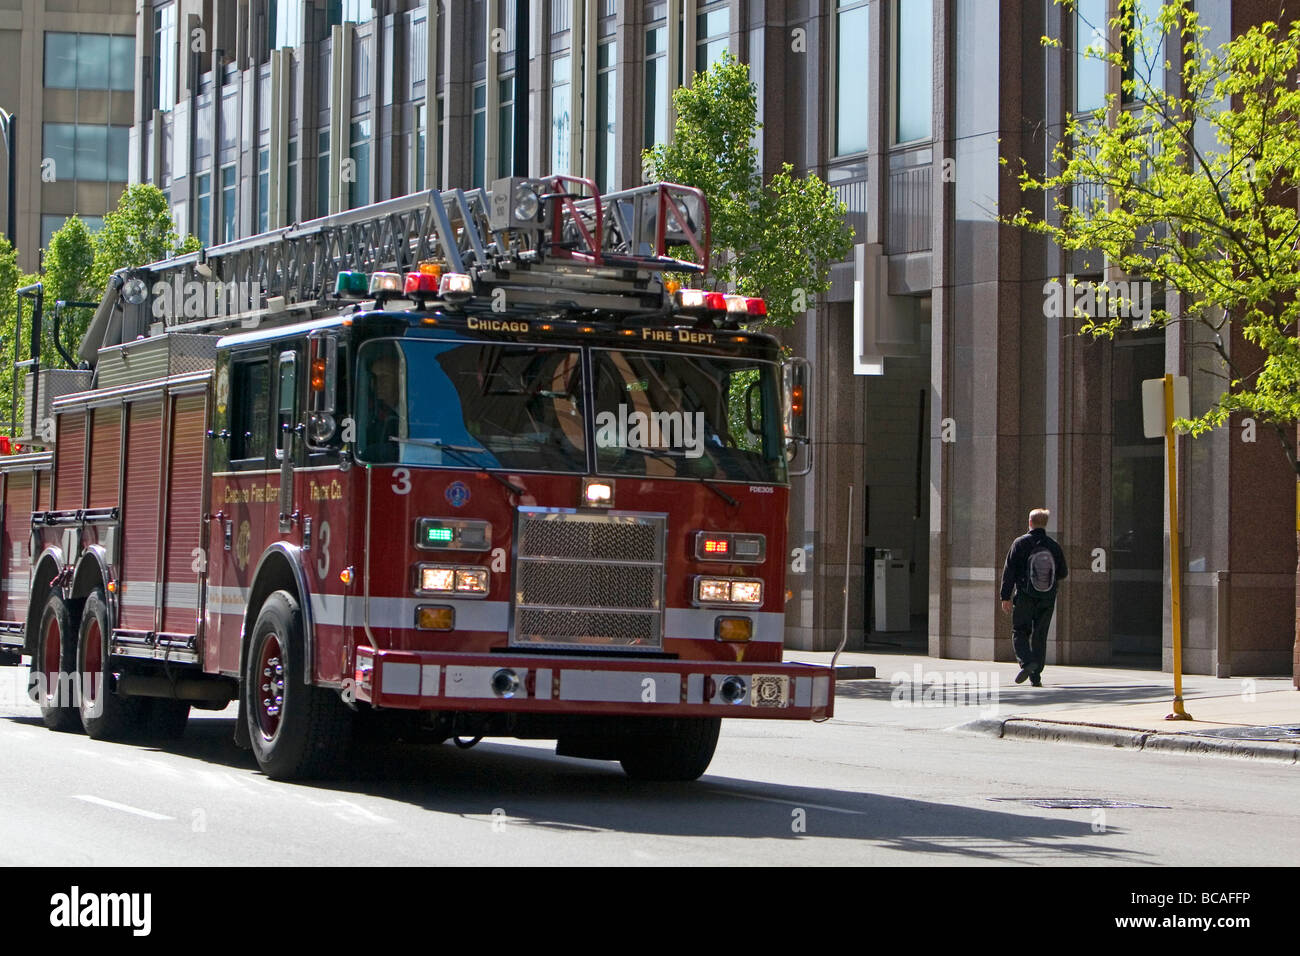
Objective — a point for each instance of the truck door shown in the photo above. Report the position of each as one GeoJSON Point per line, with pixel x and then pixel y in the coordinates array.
{"type": "Point", "coordinates": [242, 423]}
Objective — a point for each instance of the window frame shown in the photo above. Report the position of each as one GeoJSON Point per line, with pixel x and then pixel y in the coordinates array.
{"type": "Point", "coordinates": [836, 14]}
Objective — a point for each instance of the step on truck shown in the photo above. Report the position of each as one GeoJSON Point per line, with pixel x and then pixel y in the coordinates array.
{"type": "Point", "coordinates": [477, 460]}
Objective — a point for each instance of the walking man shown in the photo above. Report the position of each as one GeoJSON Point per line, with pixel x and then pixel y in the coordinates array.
{"type": "Point", "coordinates": [1034, 565]}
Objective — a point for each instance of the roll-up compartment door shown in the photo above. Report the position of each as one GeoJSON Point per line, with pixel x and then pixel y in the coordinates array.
{"type": "Point", "coordinates": [183, 571]}
{"type": "Point", "coordinates": [138, 588]}
{"type": "Point", "coordinates": [16, 545]}
{"type": "Point", "coordinates": [69, 461]}
{"type": "Point", "coordinates": [105, 456]}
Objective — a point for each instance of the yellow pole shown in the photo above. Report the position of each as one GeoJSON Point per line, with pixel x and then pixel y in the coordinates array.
{"type": "Point", "coordinates": [1175, 554]}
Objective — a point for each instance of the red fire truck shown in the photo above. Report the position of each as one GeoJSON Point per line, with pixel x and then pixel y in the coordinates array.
{"type": "Point", "coordinates": [467, 456]}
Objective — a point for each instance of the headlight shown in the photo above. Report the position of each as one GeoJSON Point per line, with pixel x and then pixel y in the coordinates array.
{"type": "Point", "coordinates": [729, 591]}
{"type": "Point", "coordinates": [437, 579]}
{"type": "Point", "coordinates": [444, 579]}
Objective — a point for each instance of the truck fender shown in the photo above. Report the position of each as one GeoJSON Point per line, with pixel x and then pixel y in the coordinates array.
{"type": "Point", "coordinates": [47, 567]}
{"type": "Point", "coordinates": [281, 559]}
{"type": "Point", "coordinates": [92, 571]}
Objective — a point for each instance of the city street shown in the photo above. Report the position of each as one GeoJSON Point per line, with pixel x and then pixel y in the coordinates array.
{"type": "Point", "coordinates": [880, 784]}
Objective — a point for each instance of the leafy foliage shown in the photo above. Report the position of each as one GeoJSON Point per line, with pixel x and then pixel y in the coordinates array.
{"type": "Point", "coordinates": [775, 241]}
{"type": "Point", "coordinates": [137, 232]}
{"type": "Point", "coordinates": [77, 266]}
{"type": "Point", "coordinates": [1195, 191]}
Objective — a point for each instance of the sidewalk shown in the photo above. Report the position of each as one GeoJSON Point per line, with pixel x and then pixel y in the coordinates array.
{"type": "Point", "coordinates": [1110, 706]}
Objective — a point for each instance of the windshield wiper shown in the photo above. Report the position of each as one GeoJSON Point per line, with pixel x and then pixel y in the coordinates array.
{"type": "Point", "coordinates": [462, 452]}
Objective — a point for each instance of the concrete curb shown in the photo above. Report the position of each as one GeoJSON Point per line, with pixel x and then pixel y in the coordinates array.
{"type": "Point", "coordinates": [1106, 735]}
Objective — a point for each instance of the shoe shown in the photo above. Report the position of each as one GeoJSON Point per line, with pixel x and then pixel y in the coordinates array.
{"type": "Point", "coordinates": [1023, 675]}
{"type": "Point", "coordinates": [1037, 681]}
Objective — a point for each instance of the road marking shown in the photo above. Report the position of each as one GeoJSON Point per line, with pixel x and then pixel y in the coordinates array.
{"type": "Point", "coordinates": [788, 803]}
{"type": "Point", "coordinates": [121, 806]}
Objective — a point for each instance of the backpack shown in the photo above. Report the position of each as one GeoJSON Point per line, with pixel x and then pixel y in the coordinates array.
{"type": "Point", "coordinates": [1040, 570]}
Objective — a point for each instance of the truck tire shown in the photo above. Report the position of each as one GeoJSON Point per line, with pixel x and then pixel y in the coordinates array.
{"type": "Point", "coordinates": [53, 674]}
{"type": "Point", "coordinates": [297, 731]}
{"type": "Point", "coordinates": [104, 714]}
{"type": "Point", "coordinates": [682, 750]}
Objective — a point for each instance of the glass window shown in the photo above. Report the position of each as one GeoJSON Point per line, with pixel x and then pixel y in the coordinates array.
{"type": "Point", "coordinates": [1090, 46]}
{"type": "Point", "coordinates": [323, 173]}
{"type": "Point", "coordinates": [121, 67]}
{"type": "Point", "coordinates": [164, 56]}
{"type": "Point", "coordinates": [61, 61]}
{"type": "Point", "coordinates": [437, 149]}
{"type": "Point", "coordinates": [421, 134]}
{"type": "Point", "coordinates": [263, 190]}
{"type": "Point", "coordinates": [656, 86]}
{"type": "Point", "coordinates": [61, 147]}
{"type": "Point", "coordinates": [92, 62]}
{"type": "Point", "coordinates": [561, 114]}
{"type": "Point", "coordinates": [1145, 64]}
{"type": "Point", "coordinates": [84, 152]}
{"type": "Point", "coordinates": [852, 78]}
{"type": "Point", "coordinates": [912, 100]}
{"type": "Point", "coordinates": [229, 177]}
{"type": "Point", "coordinates": [359, 188]}
{"type": "Point", "coordinates": [480, 134]}
{"type": "Point", "coordinates": [286, 395]}
{"type": "Point", "coordinates": [711, 32]}
{"type": "Point", "coordinates": [350, 11]}
{"type": "Point", "coordinates": [89, 61]}
{"type": "Point", "coordinates": [284, 23]}
{"type": "Point", "coordinates": [50, 224]}
{"type": "Point", "coordinates": [606, 113]}
{"type": "Point", "coordinates": [506, 127]}
{"type": "Point", "coordinates": [686, 416]}
{"type": "Point", "coordinates": [230, 126]}
{"type": "Point", "coordinates": [250, 408]}
{"type": "Point", "coordinates": [459, 404]}
{"type": "Point", "coordinates": [117, 153]}
{"type": "Point", "coordinates": [203, 127]}
{"type": "Point", "coordinates": [203, 207]}
{"type": "Point", "coordinates": [291, 183]}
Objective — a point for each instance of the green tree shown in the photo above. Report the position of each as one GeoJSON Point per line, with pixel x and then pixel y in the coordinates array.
{"type": "Point", "coordinates": [775, 241]}
{"type": "Point", "coordinates": [11, 279]}
{"type": "Point", "coordinates": [1194, 191]}
{"type": "Point", "coordinates": [139, 231]}
{"type": "Point", "coordinates": [68, 262]}
{"type": "Point", "coordinates": [76, 267]}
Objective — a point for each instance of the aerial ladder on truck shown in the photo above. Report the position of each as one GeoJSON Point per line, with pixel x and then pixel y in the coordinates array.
{"type": "Point", "coordinates": [195, 531]}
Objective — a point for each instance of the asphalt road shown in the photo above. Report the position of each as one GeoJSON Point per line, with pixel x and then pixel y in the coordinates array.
{"type": "Point", "coordinates": [880, 784]}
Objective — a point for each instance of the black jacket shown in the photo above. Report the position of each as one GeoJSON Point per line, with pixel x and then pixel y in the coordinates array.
{"type": "Point", "coordinates": [1015, 570]}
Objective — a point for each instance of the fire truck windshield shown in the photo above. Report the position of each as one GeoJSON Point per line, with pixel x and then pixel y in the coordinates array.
{"type": "Point", "coordinates": [524, 407]}
{"type": "Point", "coordinates": [501, 406]}
{"type": "Point", "coordinates": [686, 416]}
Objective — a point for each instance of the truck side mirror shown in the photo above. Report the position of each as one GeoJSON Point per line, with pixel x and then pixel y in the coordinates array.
{"type": "Point", "coordinates": [797, 379]}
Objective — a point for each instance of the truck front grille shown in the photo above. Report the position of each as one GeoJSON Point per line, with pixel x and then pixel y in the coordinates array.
{"type": "Point", "coordinates": [584, 580]}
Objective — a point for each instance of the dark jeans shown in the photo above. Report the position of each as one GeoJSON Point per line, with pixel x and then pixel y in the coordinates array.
{"type": "Point", "coordinates": [1031, 613]}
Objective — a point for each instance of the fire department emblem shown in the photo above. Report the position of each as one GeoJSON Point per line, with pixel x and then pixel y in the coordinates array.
{"type": "Point", "coordinates": [770, 690]}
{"type": "Point", "coordinates": [457, 494]}
{"type": "Point", "coordinates": [241, 545]}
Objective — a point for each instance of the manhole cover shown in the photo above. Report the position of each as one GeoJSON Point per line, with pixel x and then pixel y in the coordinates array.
{"type": "Point", "coordinates": [1078, 803]}
{"type": "Point", "coordinates": [1291, 732]}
